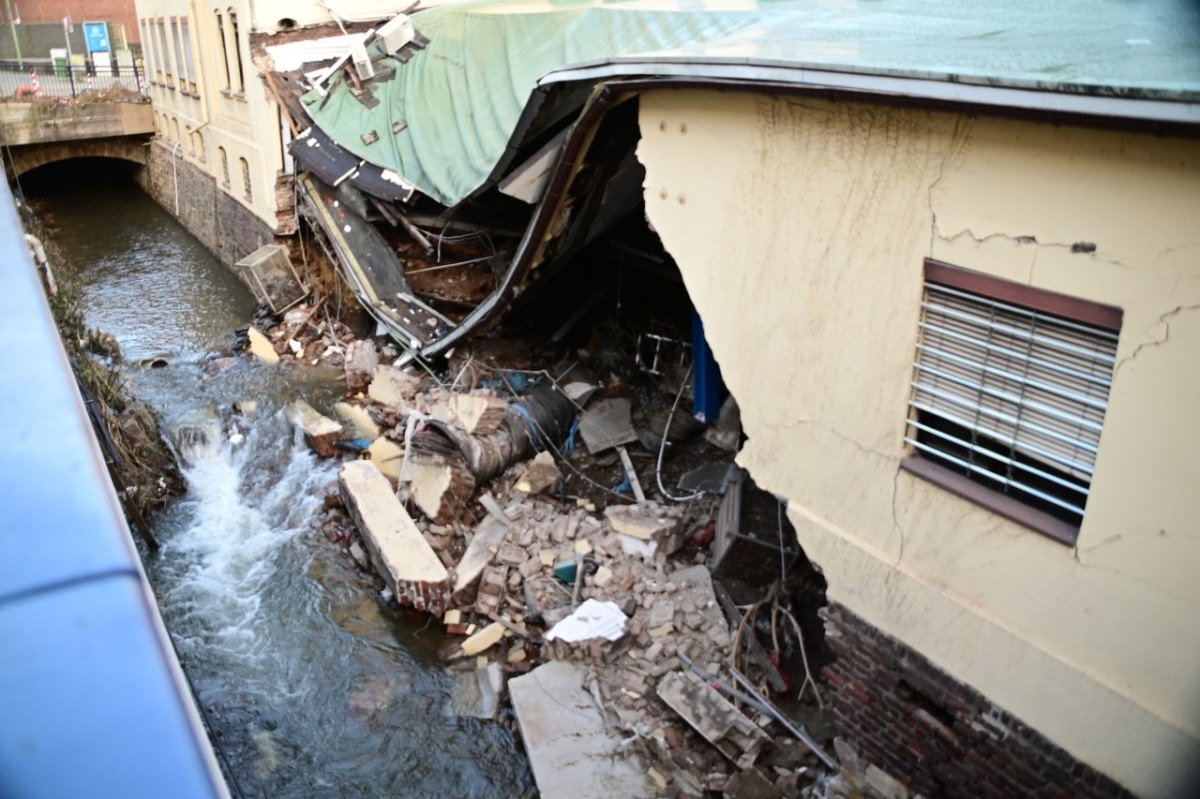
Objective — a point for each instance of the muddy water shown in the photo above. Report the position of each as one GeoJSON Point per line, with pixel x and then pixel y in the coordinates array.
{"type": "Point", "coordinates": [312, 687]}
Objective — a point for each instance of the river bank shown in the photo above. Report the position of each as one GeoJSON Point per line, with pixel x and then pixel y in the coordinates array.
{"type": "Point", "coordinates": [311, 685]}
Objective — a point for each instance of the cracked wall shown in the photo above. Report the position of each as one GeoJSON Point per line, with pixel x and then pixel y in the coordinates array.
{"type": "Point", "coordinates": [809, 287]}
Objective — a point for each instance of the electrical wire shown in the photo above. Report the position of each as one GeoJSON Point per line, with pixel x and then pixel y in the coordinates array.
{"type": "Point", "coordinates": [662, 447]}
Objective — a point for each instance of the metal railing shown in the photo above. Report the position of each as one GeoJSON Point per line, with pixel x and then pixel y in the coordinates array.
{"type": "Point", "coordinates": [46, 78]}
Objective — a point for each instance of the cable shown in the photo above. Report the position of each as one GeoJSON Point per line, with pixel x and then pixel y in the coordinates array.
{"type": "Point", "coordinates": [662, 447]}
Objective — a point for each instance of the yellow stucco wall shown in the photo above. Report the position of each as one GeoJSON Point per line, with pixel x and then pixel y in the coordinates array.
{"type": "Point", "coordinates": [809, 285]}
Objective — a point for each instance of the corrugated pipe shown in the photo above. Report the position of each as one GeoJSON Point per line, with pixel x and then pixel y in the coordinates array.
{"type": "Point", "coordinates": [541, 415]}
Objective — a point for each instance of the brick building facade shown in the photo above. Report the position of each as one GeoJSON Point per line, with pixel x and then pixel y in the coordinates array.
{"type": "Point", "coordinates": [120, 12]}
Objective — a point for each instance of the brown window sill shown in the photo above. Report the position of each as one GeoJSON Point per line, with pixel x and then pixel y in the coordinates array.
{"type": "Point", "coordinates": [1006, 506]}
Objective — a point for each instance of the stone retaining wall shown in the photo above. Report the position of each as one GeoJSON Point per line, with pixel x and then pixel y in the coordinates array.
{"type": "Point", "coordinates": [936, 735]}
{"type": "Point", "coordinates": [229, 230]}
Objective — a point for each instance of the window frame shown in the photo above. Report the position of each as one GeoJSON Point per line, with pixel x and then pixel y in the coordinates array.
{"type": "Point", "coordinates": [1042, 301]}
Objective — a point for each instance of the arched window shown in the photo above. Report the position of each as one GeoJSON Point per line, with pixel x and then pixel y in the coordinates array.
{"type": "Point", "coordinates": [246, 178]}
{"type": "Point", "coordinates": [224, 51]}
{"type": "Point", "coordinates": [224, 166]}
{"type": "Point", "coordinates": [200, 146]}
{"type": "Point", "coordinates": [191, 142]}
{"type": "Point", "coordinates": [240, 86]}
{"type": "Point", "coordinates": [175, 130]}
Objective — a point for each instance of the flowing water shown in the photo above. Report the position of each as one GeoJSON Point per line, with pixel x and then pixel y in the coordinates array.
{"type": "Point", "coordinates": [311, 685]}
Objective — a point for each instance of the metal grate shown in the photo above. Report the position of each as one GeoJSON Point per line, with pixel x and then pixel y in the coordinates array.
{"type": "Point", "coordinates": [755, 542]}
{"type": "Point", "coordinates": [269, 273]}
{"type": "Point", "coordinates": [1011, 397]}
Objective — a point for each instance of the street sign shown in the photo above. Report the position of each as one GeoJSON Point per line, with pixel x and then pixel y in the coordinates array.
{"type": "Point", "coordinates": [96, 36]}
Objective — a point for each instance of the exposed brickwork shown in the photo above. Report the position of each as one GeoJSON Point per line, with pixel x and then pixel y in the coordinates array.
{"type": "Point", "coordinates": [938, 736]}
{"type": "Point", "coordinates": [120, 11]}
{"type": "Point", "coordinates": [227, 228]}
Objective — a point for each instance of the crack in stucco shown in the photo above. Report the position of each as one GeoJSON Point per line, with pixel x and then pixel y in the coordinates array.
{"type": "Point", "coordinates": [1163, 320]}
{"type": "Point", "coordinates": [896, 518]}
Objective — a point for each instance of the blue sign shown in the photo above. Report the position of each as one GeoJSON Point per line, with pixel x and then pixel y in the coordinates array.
{"type": "Point", "coordinates": [96, 35]}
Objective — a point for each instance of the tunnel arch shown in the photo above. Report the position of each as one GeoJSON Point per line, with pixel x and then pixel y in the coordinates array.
{"type": "Point", "coordinates": [21, 160]}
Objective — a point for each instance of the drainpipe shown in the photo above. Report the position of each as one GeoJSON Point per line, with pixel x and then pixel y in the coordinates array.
{"type": "Point", "coordinates": [39, 256]}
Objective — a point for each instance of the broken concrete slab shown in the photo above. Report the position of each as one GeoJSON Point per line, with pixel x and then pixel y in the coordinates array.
{"type": "Point", "coordinates": [478, 414]}
{"type": "Point", "coordinates": [477, 693]}
{"type": "Point", "coordinates": [646, 530]}
{"type": "Point", "coordinates": [541, 474]}
{"type": "Point", "coordinates": [572, 753]}
{"type": "Point", "coordinates": [712, 715]}
{"type": "Point", "coordinates": [579, 393]}
{"type": "Point", "coordinates": [261, 346]}
{"type": "Point", "coordinates": [606, 424]}
{"type": "Point", "coordinates": [403, 558]}
{"type": "Point", "coordinates": [362, 362]}
{"type": "Point", "coordinates": [394, 388]}
{"type": "Point", "coordinates": [320, 431]}
{"type": "Point", "coordinates": [483, 639]}
{"type": "Point", "coordinates": [387, 456]}
{"type": "Point", "coordinates": [359, 420]}
{"type": "Point", "coordinates": [489, 535]}
{"type": "Point", "coordinates": [440, 489]}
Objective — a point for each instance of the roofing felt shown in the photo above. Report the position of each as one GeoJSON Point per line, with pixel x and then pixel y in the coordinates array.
{"type": "Point", "coordinates": [462, 96]}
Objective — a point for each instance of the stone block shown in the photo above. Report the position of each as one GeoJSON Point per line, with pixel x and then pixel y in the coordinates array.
{"type": "Point", "coordinates": [403, 558]}
{"type": "Point", "coordinates": [320, 431]}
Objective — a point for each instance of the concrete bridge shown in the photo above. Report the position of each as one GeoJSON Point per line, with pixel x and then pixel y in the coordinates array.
{"type": "Point", "coordinates": [42, 132]}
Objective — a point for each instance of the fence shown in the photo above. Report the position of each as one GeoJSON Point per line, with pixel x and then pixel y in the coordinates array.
{"type": "Point", "coordinates": [46, 78]}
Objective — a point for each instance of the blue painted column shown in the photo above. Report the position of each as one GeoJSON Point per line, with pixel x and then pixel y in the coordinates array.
{"type": "Point", "coordinates": [707, 386]}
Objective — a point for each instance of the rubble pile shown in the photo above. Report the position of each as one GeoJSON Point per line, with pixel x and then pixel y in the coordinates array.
{"type": "Point", "coordinates": [455, 497]}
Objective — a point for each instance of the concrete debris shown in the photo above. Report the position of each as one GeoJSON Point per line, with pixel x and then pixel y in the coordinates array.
{"type": "Point", "coordinates": [713, 716]}
{"type": "Point", "coordinates": [387, 457]}
{"type": "Point", "coordinates": [591, 620]}
{"type": "Point", "coordinates": [484, 639]}
{"type": "Point", "coordinates": [528, 580]}
{"type": "Point", "coordinates": [477, 693]}
{"type": "Point", "coordinates": [488, 537]}
{"type": "Point", "coordinates": [406, 562]}
{"type": "Point", "coordinates": [479, 414]}
{"type": "Point", "coordinates": [359, 419]}
{"type": "Point", "coordinates": [580, 393]}
{"type": "Point", "coordinates": [362, 362]}
{"type": "Point", "coordinates": [606, 424]}
{"type": "Point", "coordinates": [321, 432]}
{"type": "Point", "coordinates": [571, 750]}
{"type": "Point", "coordinates": [261, 346]}
{"type": "Point", "coordinates": [727, 432]}
{"type": "Point", "coordinates": [540, 476]}
{"type": "Point", "coordinates": [394, 388]}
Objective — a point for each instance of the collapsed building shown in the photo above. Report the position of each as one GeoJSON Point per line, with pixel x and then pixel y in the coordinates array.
{"type": "Point", "coordinates": [947, 274]}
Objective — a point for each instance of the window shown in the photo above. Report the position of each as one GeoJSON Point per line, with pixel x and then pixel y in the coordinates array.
{"type": "Point", "coordinates": [177, 53]}
{"type": "Point", "coordinates": [191, 142]}
{"type": "Point", "coordinates": [224, 166]}
{"type": "Point", "coordinates": [164, 43]}
{"type": "Point", "coordinates": [1010, 387]}
{"type": "Point", "coordinates": [187, 66]}
{"type": "Point", "coordinates": [200, 147]}
{"type": "Point", "coordinates": [224, 53]}
{"type": "Point", "coordinates": [246, 178]}
{"type": "Point", "coordinates": [240, 86]}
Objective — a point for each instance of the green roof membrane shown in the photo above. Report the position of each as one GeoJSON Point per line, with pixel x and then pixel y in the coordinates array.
{"type": "Point", "coordinates": [462, 96]}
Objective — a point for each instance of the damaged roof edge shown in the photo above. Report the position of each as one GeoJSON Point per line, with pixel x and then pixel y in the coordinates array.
{"type": "Point", "coordinates": [852, 86]}
{"type": "Point", "coordinates": [1080, 100]}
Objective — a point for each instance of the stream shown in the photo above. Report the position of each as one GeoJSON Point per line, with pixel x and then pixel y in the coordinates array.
{"type": "Point", "coordinates": [310, 684]}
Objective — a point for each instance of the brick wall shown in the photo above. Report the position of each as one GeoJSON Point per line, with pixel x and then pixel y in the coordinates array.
{"type": "Point", "coordinates": [938, 736]}
{"type": "Point", "coordinates": [227, 228]}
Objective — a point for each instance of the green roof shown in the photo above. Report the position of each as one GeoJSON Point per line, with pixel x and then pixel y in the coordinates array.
{"type": "Point", "coordinates": [463, 95]}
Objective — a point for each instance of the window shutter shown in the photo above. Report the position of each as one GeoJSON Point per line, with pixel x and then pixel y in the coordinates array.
{"type": "Point", "coordinates": [1012, 396]}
